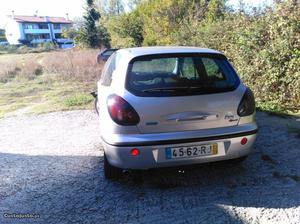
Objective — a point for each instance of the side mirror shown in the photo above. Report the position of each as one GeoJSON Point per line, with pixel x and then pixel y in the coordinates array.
{"type": "Point", "coordinates": [100, 58]}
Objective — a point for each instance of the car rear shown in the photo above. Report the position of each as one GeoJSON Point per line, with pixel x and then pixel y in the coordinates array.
{"type": "Point", "coordinates": [177, 108]}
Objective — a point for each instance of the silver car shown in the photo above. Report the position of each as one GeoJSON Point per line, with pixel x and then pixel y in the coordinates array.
{"type": "Point", "coordinates": [172, 106]}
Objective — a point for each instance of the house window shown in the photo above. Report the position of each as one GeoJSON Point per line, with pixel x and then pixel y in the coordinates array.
{"type": "Point", "coordinates": [56, 26]}
{"type": "Point", "coordinates": [36, 26]}
{"type": "Point", "coordinates": [31, 37]}
{"type": "Point", "coordinates": [43, 26]}
{"type": "Point", "coordinates": [58, 35]}
{"type": "Point", "coordinates": [30, 26]}
{"type": "Point", "coordinates": [44, 36]}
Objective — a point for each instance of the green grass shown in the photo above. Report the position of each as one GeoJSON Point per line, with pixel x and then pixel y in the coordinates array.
{"type": "Point", "coordinates": [78, 100]}
{"type": "Point", "coordinates": [44, 94]}
{"type": "Point", "coordinates": [275, 110]}
{"type": "Point", "coordinates": [47, 94]}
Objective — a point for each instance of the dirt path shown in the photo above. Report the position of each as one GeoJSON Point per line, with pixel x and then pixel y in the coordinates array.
{"type": "Point", "coordinates": [51, 165]}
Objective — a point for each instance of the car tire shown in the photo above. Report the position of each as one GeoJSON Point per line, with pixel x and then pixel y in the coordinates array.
{"type": "Point", "coordinates": [110, 171]}
{"type": "Point", "coordinates": [96, 105]}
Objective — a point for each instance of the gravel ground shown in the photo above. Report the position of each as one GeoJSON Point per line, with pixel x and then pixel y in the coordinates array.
{"type": "Point", "coordinates": [51, 166]}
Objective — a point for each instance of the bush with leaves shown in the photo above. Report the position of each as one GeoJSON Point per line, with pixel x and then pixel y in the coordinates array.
{"type": "Point", "coordinates": [263, 44]}
{"type": "Point", "coordinates": [126, 30]}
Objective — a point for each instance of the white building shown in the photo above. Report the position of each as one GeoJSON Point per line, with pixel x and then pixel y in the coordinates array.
{"type": "Point", "coordinates": [35, 29]}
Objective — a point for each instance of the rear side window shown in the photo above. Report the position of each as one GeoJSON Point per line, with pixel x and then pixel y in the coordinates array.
{"type": "Point", "coordinates": [108, 70]}
{"type": "Point", "coordinates": [108, 52]}
{"type": "Point", "coordinates": [180, 75]}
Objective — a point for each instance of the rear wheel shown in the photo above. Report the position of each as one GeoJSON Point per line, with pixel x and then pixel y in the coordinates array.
{"type": "Point", "coordinates": [110, 171]}
{"type": "Point", "coordinates": [96, 105]}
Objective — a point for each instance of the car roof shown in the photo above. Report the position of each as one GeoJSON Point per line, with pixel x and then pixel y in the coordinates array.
{"type": "Point", "coordinates": [140, 51]}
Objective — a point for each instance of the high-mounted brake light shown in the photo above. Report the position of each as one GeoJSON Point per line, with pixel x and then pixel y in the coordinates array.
{"type": "Point", "coordinates": [121, 111]}
{"type": "Point", "coordinates": [247, 104]}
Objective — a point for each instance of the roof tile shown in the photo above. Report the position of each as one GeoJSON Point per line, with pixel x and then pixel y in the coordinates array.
{"type": "Point", "coordinates": [41, 19]}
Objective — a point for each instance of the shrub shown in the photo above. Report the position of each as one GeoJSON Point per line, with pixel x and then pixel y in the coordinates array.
{"type": "Point", "coordinates": [8, 71]}
{"type": "Point", "coordinates": [30, 70]}
{"type": "Point", "coordinates": [69, 65]}
{"type": "Point", "coordinates": [263, 44]}
{"type": "Point", "coordinates": [24, 49]}
{"type": "Point", "coordinates": [8, 49]}
{"type": "Point", "coordinates": [74, 64]}
{"type": "Point", "coordinates": [264, 48]}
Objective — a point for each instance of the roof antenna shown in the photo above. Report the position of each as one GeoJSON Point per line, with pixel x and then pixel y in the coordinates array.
{"type": "Point", "coordinates": [13, 13]}
{"type": "Point", "coordinates": [36, 13]}
{"type": "Point", "coordinates": [67, 16]}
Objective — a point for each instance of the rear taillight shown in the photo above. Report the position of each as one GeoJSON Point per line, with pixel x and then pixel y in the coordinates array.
{"type": "Point", "coordinates": [247, 104]}
{"type": "Point", "coordinates": [244, 141]}
{"type": "Point", "coordinates": [121, 111]}
{"type": "Point", "coordinates": [135, 152]}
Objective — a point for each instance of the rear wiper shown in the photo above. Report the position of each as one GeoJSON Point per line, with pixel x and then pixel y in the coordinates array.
{"type": "Point", "coordinates": [168, 89]}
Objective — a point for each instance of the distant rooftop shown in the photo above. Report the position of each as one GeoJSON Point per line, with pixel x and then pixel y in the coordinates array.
{"type": "Point", "coordinates": [40, 19]}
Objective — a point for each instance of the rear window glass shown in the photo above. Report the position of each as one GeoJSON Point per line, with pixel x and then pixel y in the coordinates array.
{"type": "Point", "coordinates": [179, 75]}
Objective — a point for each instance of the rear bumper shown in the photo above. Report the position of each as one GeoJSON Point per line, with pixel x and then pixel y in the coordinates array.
{"type": "Point", "coordinates": [152, 150]}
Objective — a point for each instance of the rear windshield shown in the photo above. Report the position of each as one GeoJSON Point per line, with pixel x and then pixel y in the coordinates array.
{"type": "Point", "coordinates": [180, 75]}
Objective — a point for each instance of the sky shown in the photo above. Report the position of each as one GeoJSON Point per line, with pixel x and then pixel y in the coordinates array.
{"type": "Point", "coordinates": [60, 7]}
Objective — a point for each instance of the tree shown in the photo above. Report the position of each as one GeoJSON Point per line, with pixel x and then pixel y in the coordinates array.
{"type": "Point", "coordinates": [216, 9]}
{"type": "Point", "coordinates": [101, 6]}
{"type": "Point", "coordinates": [69, 33]}
{"type": "Point", "coordinates": [262, 44]}
{"type": "Point", "coordinates": [89, 34]}
{"type": "Point", "coordinates": [103, 35]}
{"type": "Point", "coordinates": [133, 3]}
{"type": "Point", "coordinates": [126, 30]}
{"type": "Point", "coordinates": [115, 7]}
